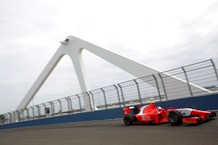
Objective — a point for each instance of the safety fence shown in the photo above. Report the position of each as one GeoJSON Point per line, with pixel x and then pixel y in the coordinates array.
{"type": "Point", "coordinates": [187, 81]}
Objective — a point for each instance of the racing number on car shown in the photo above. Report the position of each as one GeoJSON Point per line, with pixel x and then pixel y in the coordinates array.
{"type": "Point", "coordinates": [146, 118]}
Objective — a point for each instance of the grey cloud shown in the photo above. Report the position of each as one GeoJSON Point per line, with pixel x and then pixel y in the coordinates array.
{"type": "Point", "coordinates": [198, 42]}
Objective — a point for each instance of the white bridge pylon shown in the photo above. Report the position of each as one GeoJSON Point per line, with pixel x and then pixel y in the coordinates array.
{"type": "Point", "coordinates": [73, 47]}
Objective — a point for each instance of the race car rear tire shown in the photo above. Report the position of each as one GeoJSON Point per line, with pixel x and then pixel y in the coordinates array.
{"type": "Point", "coordinates": [175, 117]}
{"type": "Point", "coordinates": [129, 119]}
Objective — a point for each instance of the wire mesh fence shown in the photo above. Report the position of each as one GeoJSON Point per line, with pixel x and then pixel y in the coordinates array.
{"type": "Point", "coordinates": [101, 99]}
{"type": "Point", "coordinates": [187, 81]}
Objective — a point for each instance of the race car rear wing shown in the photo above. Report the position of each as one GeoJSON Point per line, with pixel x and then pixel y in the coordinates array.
{"type": "Point", "coordinates": [131, 110]}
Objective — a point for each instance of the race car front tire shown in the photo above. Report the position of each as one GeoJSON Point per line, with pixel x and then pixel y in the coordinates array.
{"type": "Point", "coordinates": [129, 119]}
{"type": "Point", "coordinates": [212, 115]}
{"type": "Point", "coordinates": [175, 117]}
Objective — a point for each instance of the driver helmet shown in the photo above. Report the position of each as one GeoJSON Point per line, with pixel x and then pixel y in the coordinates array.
{"type": "Point", "coordinates": [158, 108]}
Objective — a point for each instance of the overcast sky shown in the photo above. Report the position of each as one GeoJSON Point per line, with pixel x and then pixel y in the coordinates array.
{"type": "Point", "coordinates": [162, 34]}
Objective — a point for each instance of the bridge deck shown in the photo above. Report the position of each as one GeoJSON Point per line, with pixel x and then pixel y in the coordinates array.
{"type": "Point", "coordinates": [112, 132]}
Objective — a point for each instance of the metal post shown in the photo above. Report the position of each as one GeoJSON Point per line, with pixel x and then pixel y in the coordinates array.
{"type": "Point", "coordinates": [18, 115]}
{"type": "Point", "coordinates": [5, 118]}
{"type": "Point", "coordinates": [158, 89]}
{"type": "Point", "coordinates": [118, 95]}
{"type": "Point", "coordinates": [14, 116]}
{"type": "Point", "coordinates": [44, 108]}
{"type": "Point", "coordinates": [164, 89]}
{"type": "Point", "coordinates": [214, 67]}
{"type": "Point", "coordinates": [33, 112]}
{"type": "Point", "coordinates": [60, 106]}
{"type": "Point", "coordinates": [186, 76]}
{"type": "Point", "coordinates": [27, 113]}
{"type": "Point", "coordinates": [21, 115]}
{"type": "Point", "coordinates": [121, 91]}
{"type": "Point", "coordinates": [139, 94]}
{"type": "Point", "coordinates": [68, 103]}
{"type": "Point", "coordinates": [89, 100]}
{"type": "Point", "coordinates": [10, 121]}
{"type": "Point", "coordinates": [105, 101]}
{"type": "Point", "coordinates": [71, 106]}
{"type": "Point", "coordinates": [93, 100]}
{"type": "Point", "coordinates": [39, 112]}
{"type": "Point", "coordinates": [80, 105]}
{"type": "Point", "coordinates": [51, 108]}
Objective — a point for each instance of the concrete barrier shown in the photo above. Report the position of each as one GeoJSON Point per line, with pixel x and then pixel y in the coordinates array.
{"type": "Point", "coordinates": [208, 102]}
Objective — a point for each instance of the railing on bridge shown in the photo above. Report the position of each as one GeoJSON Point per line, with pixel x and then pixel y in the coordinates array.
{"type": "Point", "coordinates": [155, 87]}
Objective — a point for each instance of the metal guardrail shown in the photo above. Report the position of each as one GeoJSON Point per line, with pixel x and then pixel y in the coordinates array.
{"type": "Point", "coordinates": [155, 87]}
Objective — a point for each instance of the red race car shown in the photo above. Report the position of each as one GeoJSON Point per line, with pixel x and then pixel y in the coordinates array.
{"type": "Point", "coordinates": [152, 114]}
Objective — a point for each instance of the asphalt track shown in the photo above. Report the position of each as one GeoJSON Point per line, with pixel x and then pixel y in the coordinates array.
{"type": "Point", "coordinates": [113, 132]}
